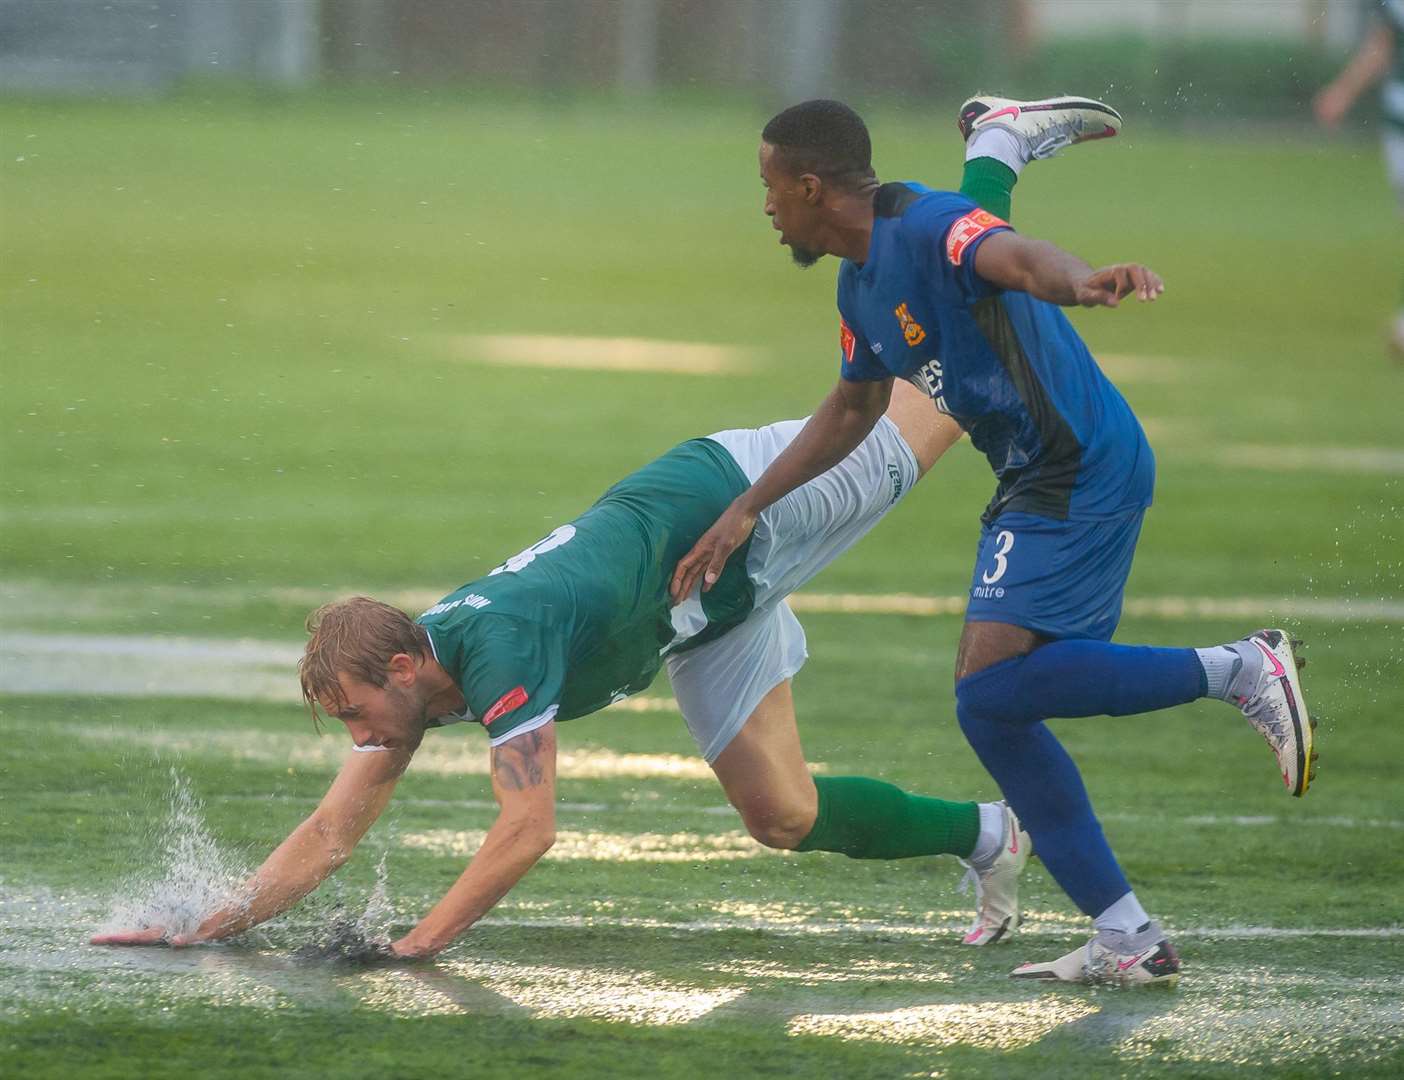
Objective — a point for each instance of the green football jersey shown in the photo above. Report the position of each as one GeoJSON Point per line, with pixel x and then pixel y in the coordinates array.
{"type": "Point", "coordinates": [583, 617]}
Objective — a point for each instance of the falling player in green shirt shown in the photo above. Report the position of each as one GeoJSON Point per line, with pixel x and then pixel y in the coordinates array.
{"type": "Point", "coordinates": [583, 618]}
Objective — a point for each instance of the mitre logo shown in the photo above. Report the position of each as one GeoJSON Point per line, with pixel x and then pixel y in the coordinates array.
{"type": "Point", "coordinates": [911, 329]}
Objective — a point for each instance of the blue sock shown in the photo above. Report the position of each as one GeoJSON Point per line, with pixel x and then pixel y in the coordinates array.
{"type": "Point", "coordinates": [1097, 678]}
{"type": "Point", "coordinates": [1001, 711]}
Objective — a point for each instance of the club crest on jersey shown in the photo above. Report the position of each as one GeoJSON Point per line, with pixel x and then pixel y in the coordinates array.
{"type": "Point", "coordinates": [846, 341]}
{"type": "Point", "coordinates": [911, 329]}
{"type": "Point", "coordinates": [513, 699]}
{"type": "Point", "coordinates": [967, 230]}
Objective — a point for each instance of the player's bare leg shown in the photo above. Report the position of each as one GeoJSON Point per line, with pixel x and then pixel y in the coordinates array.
{"type": "Point", "coordinates": [766, 778]}
{"type": "Point", "coordinates": [764, 774]}
{"type": "Point", "coordinates": [984, 644]}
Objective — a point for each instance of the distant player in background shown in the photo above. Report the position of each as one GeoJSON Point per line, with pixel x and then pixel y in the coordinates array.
{"type": "Point", "coordinates": [937, 292]}
{"type": "Point", "coordinates": [1380, 57]}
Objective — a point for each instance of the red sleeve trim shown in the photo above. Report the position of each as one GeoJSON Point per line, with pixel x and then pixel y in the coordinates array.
{"type": "Point", "coordinates": [513, 699]}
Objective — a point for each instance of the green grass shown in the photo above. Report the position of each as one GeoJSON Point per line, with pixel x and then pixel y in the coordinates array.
{"type": "Point", "coordinates": [228, 388]}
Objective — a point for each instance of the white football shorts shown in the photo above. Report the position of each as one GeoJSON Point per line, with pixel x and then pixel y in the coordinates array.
{"type": "Point", "coordinates": [718, 685]}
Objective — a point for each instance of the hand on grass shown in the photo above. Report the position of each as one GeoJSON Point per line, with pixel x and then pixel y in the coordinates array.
{"type": "Point", "coordinates": [151, 935]}
{"type": "Point", "coordinates": [406, 949]}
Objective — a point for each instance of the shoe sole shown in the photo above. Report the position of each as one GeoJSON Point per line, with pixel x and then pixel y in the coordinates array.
{"type": "Point", "coordinates": [1166, 981]}
{"type": "Point", "coordinates": [1303, 726]}
{"type": "Point", "coordinates": [1037, 976]}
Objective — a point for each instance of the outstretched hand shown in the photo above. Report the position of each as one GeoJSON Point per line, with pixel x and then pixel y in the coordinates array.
{"type": "Point", "coordinates": [708, 556]}
{"type": "Point", "coordinates": [150, 935]}
{"type": "Point", "coordinates": [1108, 286]}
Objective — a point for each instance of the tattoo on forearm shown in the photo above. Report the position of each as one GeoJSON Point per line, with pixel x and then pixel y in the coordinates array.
{"type": "Point", "coordinates": [517, 763]}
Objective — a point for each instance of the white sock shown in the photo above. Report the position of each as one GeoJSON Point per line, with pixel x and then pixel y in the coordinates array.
{"type": "Point", "coordinates": [991, 835]}
{"type": "Point", "coordinates": [1220, 664]}
{"type": "Point", "coordinates": [1004, 146]}
{"type": "Point", "coordinates": [1126, 916]}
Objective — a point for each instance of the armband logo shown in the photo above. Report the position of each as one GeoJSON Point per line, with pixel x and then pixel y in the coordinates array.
{"type": "Point", "coordinates": [967, 230]}
{"type": "Point", "coordinates": [847, 341]}
{"type": "Point", "coordinates": [911, 329]}
{"type": "Point", "coordinates": [513, 699]}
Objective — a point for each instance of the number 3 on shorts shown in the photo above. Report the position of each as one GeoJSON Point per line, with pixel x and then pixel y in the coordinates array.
{"type": "Point", "coordinates": [1005, 544]}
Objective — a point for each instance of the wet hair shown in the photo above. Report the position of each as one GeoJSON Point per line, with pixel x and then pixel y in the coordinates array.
{"type": "Point", "coordinates": [825, 138]}
{"type": "Point", "coordinates": [356, 637]}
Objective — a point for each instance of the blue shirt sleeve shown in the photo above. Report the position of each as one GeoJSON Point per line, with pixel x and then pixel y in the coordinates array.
{"type": "Point", "coordinates": [857, 361]}
{"type": "Point", "coordinates": [942, 232]}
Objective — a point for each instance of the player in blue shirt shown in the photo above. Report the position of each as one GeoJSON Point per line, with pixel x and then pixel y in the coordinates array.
{"type": "Point", "coordinates": [945, 295]}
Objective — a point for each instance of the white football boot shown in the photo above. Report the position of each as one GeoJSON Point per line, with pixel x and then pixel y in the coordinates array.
{"type": "Point", "coordinates": [1276, 708]}
{"type": "Point", "coordinates": [1046, 126]}
{"type": "Point", "coordinates": [1144, 959]}
{"type": "Point", "coordinates": [997, 886]}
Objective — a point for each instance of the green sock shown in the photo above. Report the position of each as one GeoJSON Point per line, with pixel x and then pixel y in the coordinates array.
{"type": "Point", "coordinates": [869, 819]}
{"type": "Point", "coordinates": [989, 184]}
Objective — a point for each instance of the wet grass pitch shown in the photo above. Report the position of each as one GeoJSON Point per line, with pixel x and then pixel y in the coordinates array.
{"type": "Point", "coordinates": [235, 384]}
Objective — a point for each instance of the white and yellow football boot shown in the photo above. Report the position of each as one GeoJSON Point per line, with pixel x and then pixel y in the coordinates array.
{"type": "Point", "coordinates": [1276, 709]}
{"type": "Point", "coordinates": [997, 886]}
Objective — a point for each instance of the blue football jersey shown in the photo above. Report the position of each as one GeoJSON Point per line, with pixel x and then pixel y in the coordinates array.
{"type": "Point", "coordinates": [1010, 369]}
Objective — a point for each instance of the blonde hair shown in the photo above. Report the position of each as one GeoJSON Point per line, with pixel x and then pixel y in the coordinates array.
{"type": "Point", "coordinates": [356, 637]}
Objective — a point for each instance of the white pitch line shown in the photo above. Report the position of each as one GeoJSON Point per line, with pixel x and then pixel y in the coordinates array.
{"type": "Point", "coordinates": [865, 927]}
{"type": "Point", "coordinates": [604, 354]}
{"type": "Point", "coordinates": [1356, 460]}
{"type": "Point", "coordinates": [43, 663]}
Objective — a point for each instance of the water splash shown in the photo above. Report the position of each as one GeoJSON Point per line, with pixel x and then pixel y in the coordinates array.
{"type": "Point", "coordinates": [356, 939]}
{"type": "Point", "coordinates": [195, 876]}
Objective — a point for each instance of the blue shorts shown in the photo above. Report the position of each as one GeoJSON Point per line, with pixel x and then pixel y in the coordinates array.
{"type": "Point", "coordinates": [1062, 579]}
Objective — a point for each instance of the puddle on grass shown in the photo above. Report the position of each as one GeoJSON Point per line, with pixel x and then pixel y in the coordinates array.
{"type": "Point", "coordinates": [891, 989]}
{"type": "Point", "coordinates": [1004, 1025]}
{"type": "Point", "coordinates": [881, 991]}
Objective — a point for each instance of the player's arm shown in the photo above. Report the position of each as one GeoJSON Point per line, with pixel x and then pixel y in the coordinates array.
{"type": "Point", "coordinates": [929, 432]}
{"type": "Point", "coordinates": [843, 421]}
{"type": "Point", "coordinates": [524, 784]}
{"type": "Point", "coordinates": [1363, 70]}
{"type": "Point", "coordinates": [310, 854]}
{"type": "Point", "coordinates": [1020, 263]}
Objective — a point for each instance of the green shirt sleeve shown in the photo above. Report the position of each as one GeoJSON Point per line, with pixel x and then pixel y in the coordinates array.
{"type": "Point", "coordinates": [513, 675]}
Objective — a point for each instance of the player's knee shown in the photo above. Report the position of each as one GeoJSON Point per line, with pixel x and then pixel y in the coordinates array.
{"type": "Point", "coordinates": [978, 716]}
{"type": "Point", "coordinates": [782, 828]}
{"type": "Point", "coordinates": [990, 698]}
